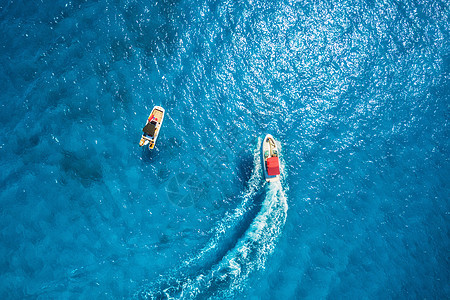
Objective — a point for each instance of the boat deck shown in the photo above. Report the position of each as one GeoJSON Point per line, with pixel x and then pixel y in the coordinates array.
{"type": "Point", "coordinates": [157, 114]}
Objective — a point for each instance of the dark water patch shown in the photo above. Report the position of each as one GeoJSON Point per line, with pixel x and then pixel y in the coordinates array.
{"type": "Point", "coordinates": [117, 86]}
{"type": "Point", "coordinates": [156, 27]}
{"type": "Point", "coordinates": [121, 49]}
{"type": "Point", "coordinates": [245, 166]}
{"type": "Point", "coordinates": [149, 155]}
{"type": "Point", "coordinates": [101, 67]}
{"type": "Point", "coordinates": [82, 167]}
{"type": "Point", "coordinates": [57, 96]}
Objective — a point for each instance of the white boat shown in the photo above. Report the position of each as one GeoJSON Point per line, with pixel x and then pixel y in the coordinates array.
{"type": "Point", "coordinates": [270, 160]}
{"type": "Point", "coordinates": [152, 127]}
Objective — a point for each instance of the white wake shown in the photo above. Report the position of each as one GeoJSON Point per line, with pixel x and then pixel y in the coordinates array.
{"type": "Point", "coordinates": [249, 254]}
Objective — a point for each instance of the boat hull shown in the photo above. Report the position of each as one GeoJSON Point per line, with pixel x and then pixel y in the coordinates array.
{"type": "Point", "coordinates": [269, 150]}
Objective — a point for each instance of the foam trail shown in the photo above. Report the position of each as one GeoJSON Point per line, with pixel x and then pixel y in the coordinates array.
{"type": "Point", "coordinates": [249, 254]}
{"type": "Point", "coordinates": [238, 213]}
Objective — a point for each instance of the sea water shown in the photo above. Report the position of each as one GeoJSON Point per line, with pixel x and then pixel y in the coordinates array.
{"type": "Point", "coordinates": [355, 92]}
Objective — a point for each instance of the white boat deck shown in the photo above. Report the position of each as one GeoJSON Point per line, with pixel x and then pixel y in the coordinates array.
{"type": "Point", "coordinates": [157, 114]}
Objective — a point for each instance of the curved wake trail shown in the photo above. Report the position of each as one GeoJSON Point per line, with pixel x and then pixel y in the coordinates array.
{"type": "Point", "coordinates": [230, 273]}
{"type": "Point", "coordinates": [250, 253]}
{"type": "Point", "coordinates": [232, 219]}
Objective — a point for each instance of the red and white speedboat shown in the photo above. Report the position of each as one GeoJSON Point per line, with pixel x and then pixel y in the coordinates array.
{"type": "Point", "coordinates": [271, 162]}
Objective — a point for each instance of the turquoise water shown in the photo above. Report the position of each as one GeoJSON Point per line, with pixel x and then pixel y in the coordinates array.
{"type": "Point", "coordinates": [356, 93]}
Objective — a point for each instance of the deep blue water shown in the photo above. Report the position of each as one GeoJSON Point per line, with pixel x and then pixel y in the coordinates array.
{"type": "Point", "coordinates": [356, 92]}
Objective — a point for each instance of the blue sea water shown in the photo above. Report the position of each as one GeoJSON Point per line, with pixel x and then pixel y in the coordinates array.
{"type": "Point", "coordinates": [356, 93]}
